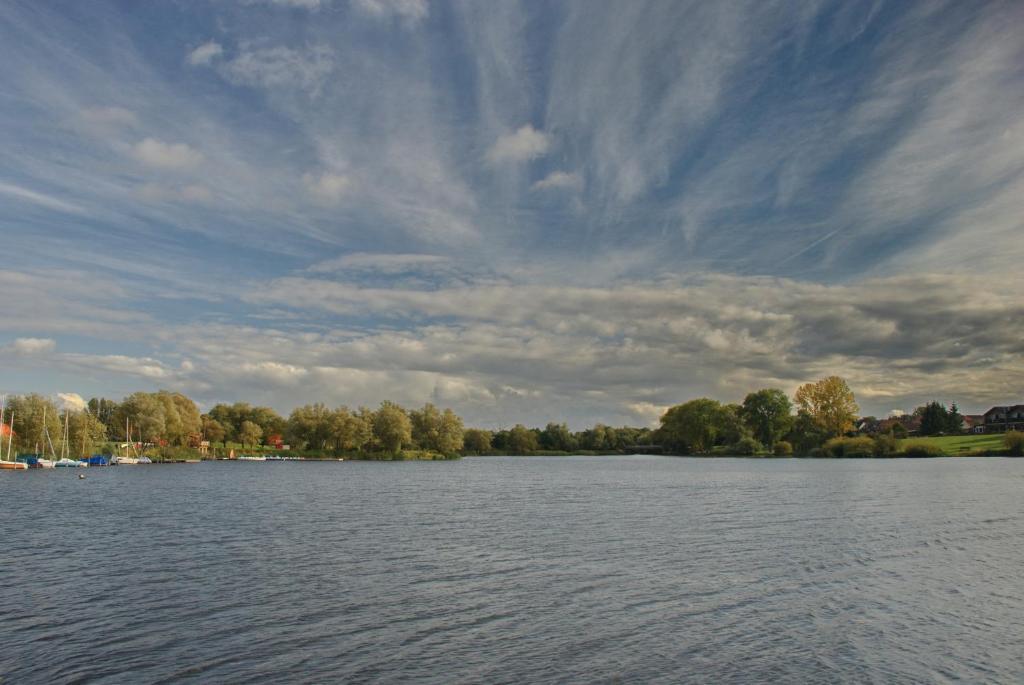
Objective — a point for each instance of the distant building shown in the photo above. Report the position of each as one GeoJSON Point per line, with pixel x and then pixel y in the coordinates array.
{"type": "Point", "coordinates": [974, 423]}
{"type": "Point", "coordinates": [1004, 418]}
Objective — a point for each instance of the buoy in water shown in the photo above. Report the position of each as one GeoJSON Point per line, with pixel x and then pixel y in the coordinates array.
{"type": "Point", "coordinates": [81, 476]}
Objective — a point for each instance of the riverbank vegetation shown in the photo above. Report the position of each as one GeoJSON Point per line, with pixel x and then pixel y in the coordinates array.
{"type": "Point", "coordinates": [819, 421]}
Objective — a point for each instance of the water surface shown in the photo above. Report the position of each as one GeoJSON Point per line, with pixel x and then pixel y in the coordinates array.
{"type": "Point", "coordinates": [502, 570]}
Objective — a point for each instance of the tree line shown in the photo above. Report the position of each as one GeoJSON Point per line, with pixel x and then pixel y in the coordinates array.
{"type": "Point", "coordinates": [819, 419]}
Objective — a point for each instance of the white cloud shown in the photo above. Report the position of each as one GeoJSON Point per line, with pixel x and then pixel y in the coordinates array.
{"type": "Point", "coordinates": [281, 67]}
{"type": "Point", "coordinates": [205, 53]}
{"type": "Point", "coordinates": [192, 193]}
{"type": "Point", "coordinates": [40, 199]}
{"type": "Point", "coordinates": [411, 10]}
{"type": "Point", "coordinates": [72, 401]}
{"type": "Point", "coordinates": [327, 189]}
{"type": "Point", "coordinates": [110, 116]}
{"type": "Point", "coordinates": [559, 180]}
{"type": "Point", "coordinates": [161, 155]}
{"type": "Point", "coordinates": [522, 145]}
{"type": "Point", "coordinates": [30, 346]}
{"type": "Point", "coordinates": [144, 367]}
{"type": "Point", "coordinates": [301, 4]}
{"type": "Point", "coordinates": [379, 262]}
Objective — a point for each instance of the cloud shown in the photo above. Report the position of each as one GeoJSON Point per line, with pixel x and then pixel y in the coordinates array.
{"type": "Point", "coordinates": [524, 144]}
{"type": "Point", "coordinates": [559, 180]}
{"type": "Point", "coordinates": [192, 193]}
{"type": "Point", "coordinates": [142, 367]}
{"type": "Point", "coordinates": [39, 199]}
{"type": "Point", "coordinates": [72, 401]}
{"type": "Point", "coordinates": [161, 155]}
{"type": "Point", "coordinates": [205, 53]}
{"type": "Point", "coordinates": [327, 189]}
{"type": "Point", "coordinates": [300, 4]}
{"type": "Point", "coordinates": [31, 346]}
{"type": "Point", "coordinates": [281, 67]}
{"type": "Point", "coordinates": [411, 10]}
{"type": "Point", "coordinates": [115, 117]}
{"type": "Point", "coordinates": [379, 262]}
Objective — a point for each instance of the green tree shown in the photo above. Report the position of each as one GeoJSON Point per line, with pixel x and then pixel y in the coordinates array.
{"type": "Point", "coordinates": [143, 413]}
{"type": "Point", "coordinates": [392, 427]}
{"type": "Point", "coordinates": [556, 436]}
{"type": "Point", "coordinates": [450, 434]}
{"type": "Point", "coordinates": [768, 413]}
{"type": "Point", "coordinates": [830, 402]}
{"type": "Point", "coordinates": [476, 441]}
{"type": "Point", "coordinates": [85, 433]}
{"type": "Point", "coordinates": [310, 426]}
{"type": "Point", "coordinates": [250, 434]}
{"type": "Point", "coordinates": [522, 440]}
{"type": "Point", "coordinates": [694, 426]}
{"type": "Point", "coordinates": [954, 420]}
{"type": "Point", "coordinates": [35, 417]}
{"type": "Point", "coordinates": [934, 419]}
{"type": "Point", "coordinates": [806, 433]}
{"type": "Point", "coordinates": [213, 430]}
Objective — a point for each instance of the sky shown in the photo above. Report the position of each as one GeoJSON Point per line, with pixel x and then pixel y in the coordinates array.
{"type": "Point", "coordinates": [528, 212]}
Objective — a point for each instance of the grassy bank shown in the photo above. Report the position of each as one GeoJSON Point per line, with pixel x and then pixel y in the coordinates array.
{"type": "Point", "coordinates": [958, 445]}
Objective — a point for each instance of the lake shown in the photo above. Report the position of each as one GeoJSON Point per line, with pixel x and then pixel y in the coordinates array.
{"type": "Point", "coordinates": [511, 570]}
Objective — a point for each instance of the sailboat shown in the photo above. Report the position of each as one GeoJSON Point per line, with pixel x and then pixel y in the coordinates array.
{"type": "Point", "coordinates": [43, 462]}
{"type": "Point", "coordinates": [126, 459]}
{"type": "Point", "coordinates": [8, 464]}
{"type": "Point", "coordinates": [65, 450]}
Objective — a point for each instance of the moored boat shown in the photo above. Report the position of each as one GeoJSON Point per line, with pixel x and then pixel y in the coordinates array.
{"type": "Point", "coordinates": [8, 464]}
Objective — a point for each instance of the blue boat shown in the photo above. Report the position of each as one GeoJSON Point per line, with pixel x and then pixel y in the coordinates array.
{"type": "Point", "coordinates": [96, 460]}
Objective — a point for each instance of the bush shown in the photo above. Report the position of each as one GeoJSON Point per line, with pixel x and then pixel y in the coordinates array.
{"type": "Point", "coordinates": [817, 453]}
{"type": "Point", "coordinates": [782, 449]}
{"type": "Point", "coordinates": [1014, 441]}
{"type": "Point", "coordinates": [850, 447]}
{"type": "Point", "coordinates": [922, 449]}
{"type": "Point", "coordinates": [885, 445]}
{"type": "Point", "coordinates": [745, 447]}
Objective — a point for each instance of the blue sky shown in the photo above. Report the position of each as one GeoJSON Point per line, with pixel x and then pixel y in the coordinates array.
{"type": "Point", "coordinates": [576, 211]}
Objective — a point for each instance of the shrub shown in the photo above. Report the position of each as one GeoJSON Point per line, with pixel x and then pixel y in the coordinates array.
{"type": "Point", "coordinates": [922, 449]}
{"type": "Point", "coordinates": [1014, 441]}
{"type": "Point", "coordinates": [817, 453]}
{"type": "Point", "coordinates": [745, 447]}
{"type": "Point", "coordinates": [850, 447]}
{"type": "Point", "coordinates": [885, 445]}
{"type": "Point", "coordinates": [782, 449]}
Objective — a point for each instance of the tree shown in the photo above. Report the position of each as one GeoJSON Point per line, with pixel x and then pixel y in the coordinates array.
{"type": "Point", "coordinates": [143, 413]}
{"type": "Point", "coordinates": [30, 430]}
{"type": "Point", "coordinates": [250, 433]}
{"type": "Point", "coordinates": [476, 441]}
{"type": "Point", "coordinates": [954, 420]}
{"type": "Point", "coordinates": [806, 433]}
{"type": "Point", "coordinates": [831, 404]}
{"type": "Point", "coordinates": [556, 436]}
{"type": "Point", "coordinates": [934, 419]}
{"type": "Point", "coordinates": [310, 426]}
{"type": "Point", "coordinates": [449, 434]}
{"type": "Point", "coordinates": [213, 430]}
{"type": "Point", "coordinates": [694, 426]}
{"type": "Point", "coordinates": [768, 414]}
{"type": "Point", "coordinates": [522, 440]}
{"type": "Point", "coordinates": [85, 432]}
{"type": "Point", "coordinates": [392, 427]}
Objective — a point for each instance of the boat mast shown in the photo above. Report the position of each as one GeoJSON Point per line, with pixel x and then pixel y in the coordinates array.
{"type": "Point", "coordinates": [10, 438]}
{"type": "Point", "coordinates": [46, 432]}
{"type": "Point", "coordinates": [3, 406]}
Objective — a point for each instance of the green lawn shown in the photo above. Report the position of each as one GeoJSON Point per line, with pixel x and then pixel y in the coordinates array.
{"type": "Point", "coordinates": [955, 444]}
